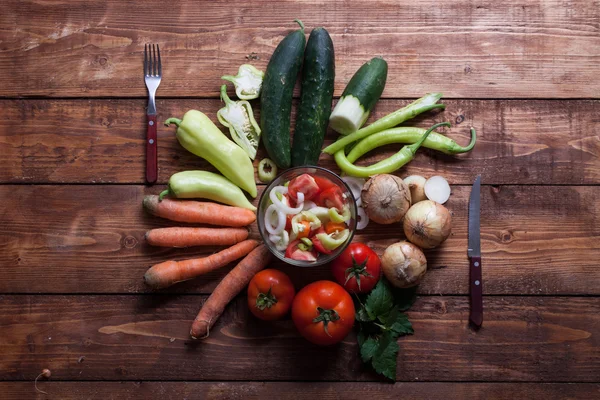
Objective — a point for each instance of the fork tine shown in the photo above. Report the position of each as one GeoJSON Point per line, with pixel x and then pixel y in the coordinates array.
{"type": "Point", "coordinates": [145, 59]}
{"type": "Point", "coordinates": [159, 63]}
{"type": "Point", "coordinates": [154, 71]}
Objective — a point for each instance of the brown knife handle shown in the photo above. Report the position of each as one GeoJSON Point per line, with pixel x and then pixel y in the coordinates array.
{"type": "Point", "coordinates": [476, 283]}
{"type": "Point", "coordinates": [151, 151]}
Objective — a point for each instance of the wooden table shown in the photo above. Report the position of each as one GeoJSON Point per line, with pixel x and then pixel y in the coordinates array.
{"type": "Point", "coordinates": [524, 74]}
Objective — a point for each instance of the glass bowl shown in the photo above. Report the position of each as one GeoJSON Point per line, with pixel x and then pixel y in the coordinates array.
{"type": "Point", "coordinates": [288, 175]}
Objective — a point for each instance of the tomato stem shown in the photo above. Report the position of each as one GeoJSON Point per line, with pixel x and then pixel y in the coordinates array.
{"type": "Point", "coordinates": [326, 316]}
{"type": "Point", "coordinates": [356, 270]}
{"type": "Point", "coordinates": [265, 300]}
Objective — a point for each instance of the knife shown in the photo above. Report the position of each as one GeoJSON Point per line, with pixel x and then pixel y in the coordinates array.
{"type": "Point", "coordinates": [474, 253]}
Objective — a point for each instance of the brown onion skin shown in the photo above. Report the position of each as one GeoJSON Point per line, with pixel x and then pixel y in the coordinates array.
{"type": "Point", "coordinates": [418, 230]}
{"type": "Point", "coordinates": [385, 194]}
{"type": "Point", "coordinates": [404, 270]}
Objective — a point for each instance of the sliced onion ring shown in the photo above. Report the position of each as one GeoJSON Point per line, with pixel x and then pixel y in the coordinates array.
{"type": "Point", "coordinates": [274, 230]}
{"type": "Point", "coordinates": [355, 185]}
{"type": "Point", "coordinates": [283, 207]}
{"type": "Point", "coordinates": [308, 205]}
{"type": "Point", "coordinates": [363, 218]}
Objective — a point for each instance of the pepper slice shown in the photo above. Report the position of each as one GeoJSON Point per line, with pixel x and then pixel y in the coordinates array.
{"type": "Point", "coordinates": [337, 217]}
{"type": "Point", "coordinates": [239, 118]}
{"type": "Point", "coordinates": [333, 240]}
{"type": "Point", "coordinates": [298, 225]}
{"type": "Point", "coordinates": [267, 170]}
{"type": "Point", "coordinates": [248, 82]}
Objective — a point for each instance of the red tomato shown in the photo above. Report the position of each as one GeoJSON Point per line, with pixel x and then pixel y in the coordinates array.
{"type": "Point", "coordinates": [270, 294]}
{"type": "Point", "coordinates": [323, 183]}
{"type": "Point", "coordinates": [358, 268]}
{"type": "Point", "coordinates": [332, 197]}
{"type": "Point", "coordinates": [305, 184]}
{"type": "Point", "coordinates": [295, 253]}
{"type": "Point", "coordinates": [288, 222]}
{"type": "Point", "coordinates": [317, 243]}
{"type": "Point", "coordinates": [323, 312]}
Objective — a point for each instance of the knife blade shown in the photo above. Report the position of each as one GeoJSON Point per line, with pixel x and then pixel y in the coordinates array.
{"type": "Point", "coordinates": [474, 254]}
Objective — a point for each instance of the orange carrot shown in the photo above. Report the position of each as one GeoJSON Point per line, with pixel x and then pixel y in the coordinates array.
{"type": "Point", "coordinates": [228, 288]}
{"type": "Point", "coordinates": [170, 272]}
{"type": "Point", "coordinates": [199, 212]}
{"type": "Point", "coordinates": [186, 237]}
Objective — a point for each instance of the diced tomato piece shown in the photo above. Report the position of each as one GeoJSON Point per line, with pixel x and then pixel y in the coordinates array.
{"type": "Point", "coordinates": [295, 253]}
{"type": "Point", "coordinates": [323, 183]}
{"type": "Point", "coordinates": [305, 184]}
{"type": "Point", "coordinates": [288, 222]}
{"type": "Point", "coordinates": [332, 197]}
{"type": "Point", "coordinates": [317, 243]}
{"type": "Point", "coordinates": [290, 200]}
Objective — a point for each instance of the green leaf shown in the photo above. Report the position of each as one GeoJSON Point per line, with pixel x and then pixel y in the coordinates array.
{"type": "Point", "coordinates": [380, 300]}
{"type": "Point", "coordinates": [398, 323]}
{"type": "Point", "coordinates": [405, 298]}
{"type": "Point", "coordinates": [384, 359]}
{"type": "Point", "coordinates": [360, 338]}
{"type": "Point", "coordinates": [368, 349]}
{"type": "Point", "coordinates": [362, 315]}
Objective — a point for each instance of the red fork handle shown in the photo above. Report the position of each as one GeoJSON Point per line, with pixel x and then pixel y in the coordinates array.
{"type": "Point", "coordinates": [476, 285]}
{"type": "Point", "coordinates": [151, 151]}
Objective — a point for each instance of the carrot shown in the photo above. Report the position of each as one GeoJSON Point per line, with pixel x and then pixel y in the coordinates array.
{"type": "Point", "coordinates": [170, 272]}
{"type": "Point", "coordinates": [186, 237]}
{"type": "Point", "coordinates": [228, 288]}
{"type": "Point", "coordinates": [199, 212]}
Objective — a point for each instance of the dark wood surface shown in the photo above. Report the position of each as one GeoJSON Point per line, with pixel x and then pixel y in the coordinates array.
{"type": "Point", "coordinates": [72, 255]}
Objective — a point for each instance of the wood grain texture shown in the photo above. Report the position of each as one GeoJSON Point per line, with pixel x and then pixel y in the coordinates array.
{"type": "Point", "coordinates": [547, 49]}
{"type": "Point", "coordinates": [298, 390]}
{"type": "Point", "coordinates": [146, 338]}
{"type": "Point", "coordinates": [102, 141]}
{"type": "Point", "coordinates": [89, 239]}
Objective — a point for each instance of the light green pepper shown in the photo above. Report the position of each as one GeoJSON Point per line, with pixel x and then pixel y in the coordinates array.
{"type": "Point", "coordinates": [206, 185]}
{"type": "Point", "coordinates": [200, 136]}
{"type": "Point", "coordinates": [336, 217]}
{"type": "Point", "coordinates": [333, 240]}
{"type": "Point", "coordinates": [239, 118]}
{"type": "Point", "coordinates": [248, 82]}
{"type": "Point", "coordinates": [315, 223]}
{"type": "Point", "coordinates": [322, 213]}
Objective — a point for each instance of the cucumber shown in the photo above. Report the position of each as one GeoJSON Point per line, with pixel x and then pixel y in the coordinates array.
{"type": "Point", "coordinates": [318, 73]}
{"type": "Point", "coordinates": [359, 97]}
{"type": "Point", "coordinates": [276, 96]}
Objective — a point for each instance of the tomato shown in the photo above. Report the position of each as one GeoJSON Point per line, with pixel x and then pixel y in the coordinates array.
{"type": "Point", "coordinates": [305, 184]}
{"type": "Point", "coordinates": [332, 197]}
{"type": "Point", "coordinates": [270, 294]}
{"type": "Point", "coordinates": [358, 268]}
{"type": "Point", "coordinates": [323, 183]}
{"type": "Point", "coordinates": [323, 312]}
{"type": "Point", "coordinates": [317, 243]}
{"type": "Point", "coordinates": [295, 253]}
{"type": "Point", "coordinates": [288, 222]}
{"type": "Point", "coordinates": [332, 227]}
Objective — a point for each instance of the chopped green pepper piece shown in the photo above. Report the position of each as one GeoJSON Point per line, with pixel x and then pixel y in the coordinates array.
{"type": "Point", "coordinates": [333, 240]}
{"type": "Point", "coordinates": [322, 213]}
{"type": "Point", "coordinates": [239, 118]}
{"type": "Point", "coordinates": [247, 82]}
{"type": "Point", "coordinates": [315, 223]}
{"type": "Point", "coordinates": [306, 241]}
{"type": "Point", "coordinates": [267, 170]}
{"type": "Point", "coordinates": [336, 217]}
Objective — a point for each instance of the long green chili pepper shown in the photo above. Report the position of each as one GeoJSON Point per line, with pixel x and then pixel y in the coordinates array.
{"type": "Point", "coordinates": [408, 135]}
{"type": "Point", "coordinates": [389, 165]}
{"type": "Point", "coordinates": [425, 103]}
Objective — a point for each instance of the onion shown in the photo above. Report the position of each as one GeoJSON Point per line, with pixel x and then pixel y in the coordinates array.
{"type": "Point", "coordinates": [427, 224]}
{"type": "Point", "coordinates": [281, 242]}
{"type": "Point", "coordinates": [283, 207]}
{"type": "Point", "coordinates": [416, 185]}
{"type": "Point", "coordinates": [403, 264]}
{"type": "Point", "coordinates": [308, 205]}
{"type": "Point", "coordinates": [363, 218]}
{"type": "Point", "coordinates": [385, 198]}
{"type": "Point", "coordinates": [274, 230]}
{"type": "Point", "coordinates": [437, 189]}
{"type": "Point", "coordinates": [355, 185]}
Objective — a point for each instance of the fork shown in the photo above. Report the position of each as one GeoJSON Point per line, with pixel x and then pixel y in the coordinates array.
{"type": "Point", "coordinates": [152, 76]}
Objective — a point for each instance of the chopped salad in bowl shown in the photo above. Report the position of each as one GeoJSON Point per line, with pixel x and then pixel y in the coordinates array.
{"type": "Point", "coordinates": [307, 216]}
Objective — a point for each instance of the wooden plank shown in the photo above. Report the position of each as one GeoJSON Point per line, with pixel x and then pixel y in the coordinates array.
{"type": "Point", "coordinates": [546, 49]}
{"type": "Point", "coordinates": [519, 142]}
{"type": "Point", "coordinates": [89, 239]}
{"type": "Point", "coordinates": [299, 390]}
{"type": "Point", "coordinates": [146, 338]}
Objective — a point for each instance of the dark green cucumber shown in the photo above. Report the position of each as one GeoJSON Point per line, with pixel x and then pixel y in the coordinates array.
{"type": "Point", "coordinates": [360, 96]}
{"type": "Point", "coordinates": [318, 73]}
{"type": "Point", "coordinates": [276, 96]}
